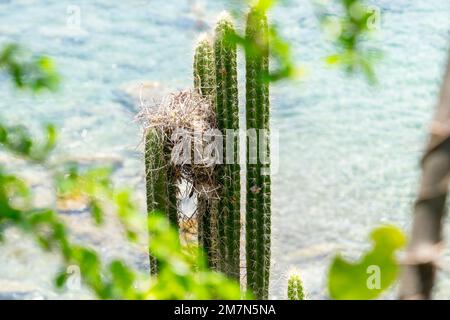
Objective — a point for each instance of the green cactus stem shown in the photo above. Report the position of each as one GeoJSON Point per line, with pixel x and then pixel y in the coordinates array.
{"type": "Point", "coordinates": [204, 83]}
{"type": "Point", "coordinates": [295, 288]}
{"type": "Point", "coordinates": [227, 113]}
{"type": "Point", "coordinates": [204, 77]}
{"type": "Point", "coordinates": [161, 185]}
{"type": "Point", "coordinates": [207, 229]}
{"type": "Point", "coordinates": [258, 210]}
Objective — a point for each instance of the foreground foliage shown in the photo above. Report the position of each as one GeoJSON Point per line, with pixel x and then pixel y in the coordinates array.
{"type": "Point", "coordinates": [375, 272]}
{"type": "Point", "coordinates": [183, 275]}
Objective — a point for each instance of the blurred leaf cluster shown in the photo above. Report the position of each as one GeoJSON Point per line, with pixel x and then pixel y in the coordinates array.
{"type": "Point", "coordinates": [27, 71]}
{"type": "Point", "coordinates": [17, 140]}
{"type": "Point", "coordinates": [349, 29]}
{"type": "Point", "coordinates": [183, 274]}
{"type": "Point", "coordinates": [280, 52]}
{"type": "Point", "coordinates": [375, 272]}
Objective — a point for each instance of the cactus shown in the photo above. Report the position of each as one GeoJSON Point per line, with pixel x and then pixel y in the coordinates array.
{"type": "Point", "coordinates": [220, 86]}
{"type": "Point", "coordinates": [258, 211]}
{"type": "Point", "coordinates": [161, 186]}
{"type": "Point", "coordinates": [204, 77]}
{"type": "Point", "coordinates": [207, 229]}
{"type": "Point", "coordinates": [227, 113]}
{"type": "Point", "coordinates": [295, 288]}
{"type": "Point", "coordinates": [204, 83]}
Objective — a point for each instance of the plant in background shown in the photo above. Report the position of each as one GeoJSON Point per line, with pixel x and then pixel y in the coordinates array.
{"type": "Point", "coordinates": [295, 288]}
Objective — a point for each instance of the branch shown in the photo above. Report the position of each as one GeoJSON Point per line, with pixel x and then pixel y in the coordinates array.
{"type": "Point", "coordinates": [418, 275]}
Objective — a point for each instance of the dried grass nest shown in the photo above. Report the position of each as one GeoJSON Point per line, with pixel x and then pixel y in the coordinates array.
{"type": "Point", "coordinates": [186, 115]}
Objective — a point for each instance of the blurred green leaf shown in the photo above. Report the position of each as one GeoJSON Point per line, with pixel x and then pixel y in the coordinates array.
{"type": "Point", "coordinates": [283, 63]}
{"type": "Point", "coordinates": [28, 72]}
{"type": "Point", "coordinates": [18, 140]}
{"type": "Point", "coordinates": [349, 29]}
{"type": "Point", "coordinates": [374, 273]}
{"type": "Point", "coordinates": [61, 279]}
{"type": "Point", "coordinates": [263, 5]}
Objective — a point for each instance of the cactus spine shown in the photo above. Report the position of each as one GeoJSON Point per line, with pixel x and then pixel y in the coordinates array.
{"type": "Point", "coordinates": [161, 187]}
{"type": "Point", "coordinates": [295, 288]}
{"type": "Point", "coordinates": [227, 113]}
{"type": "Point", "coordinates": [204, 83]}
{"type": "Point", "coordinates": [258, 210]}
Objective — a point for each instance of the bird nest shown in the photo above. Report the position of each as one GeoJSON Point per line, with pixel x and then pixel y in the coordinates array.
{"type": "Point", "coordinates": [186, 122]}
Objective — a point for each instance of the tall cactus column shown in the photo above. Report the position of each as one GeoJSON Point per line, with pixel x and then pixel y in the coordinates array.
{"type": "Point", "coordinates": [161, 185]}
{"type": "Point", "coordinates": [227, 113]}
{"type": "Point", "coordinates": [258, 211]}
{"type": "Point", "coordinates": [204, 83]}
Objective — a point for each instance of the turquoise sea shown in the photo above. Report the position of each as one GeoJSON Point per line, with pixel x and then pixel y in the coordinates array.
{"type": "Point", "coordinates": [348, 152]}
